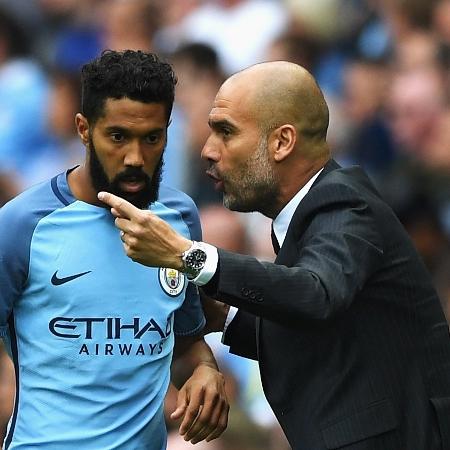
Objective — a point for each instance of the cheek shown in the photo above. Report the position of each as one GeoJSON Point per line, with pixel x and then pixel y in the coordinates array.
{"type": "Point", "coordinates": [151, 161]}
{"type": "Point", "coordinates": [234, 172]}
{"type": "Point", "coordinates": [237, 156]}
{"type": "Point", "coordinates": [111, 161]}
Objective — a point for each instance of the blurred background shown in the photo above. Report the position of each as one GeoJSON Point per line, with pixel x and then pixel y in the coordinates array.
{"type": "Point", "coordinates": [383, 65]}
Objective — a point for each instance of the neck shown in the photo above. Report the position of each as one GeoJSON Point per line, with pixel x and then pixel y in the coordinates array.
{"type": "Point", "coordinates": [81, 186]}
{"type": "Point", "coordinates": [292, 183]}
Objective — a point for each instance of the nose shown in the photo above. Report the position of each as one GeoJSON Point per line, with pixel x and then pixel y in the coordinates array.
{"type": "Point", "coordinates": [210, 150]}
{"type": "Point", "coordinates": [134, 155]}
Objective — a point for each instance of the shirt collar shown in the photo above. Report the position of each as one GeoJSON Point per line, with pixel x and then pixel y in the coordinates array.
{"type": "Point", "coordinates": [282, 221]}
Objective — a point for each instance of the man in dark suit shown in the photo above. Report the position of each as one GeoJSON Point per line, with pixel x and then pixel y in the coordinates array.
{"type": "Point", "coordinates": [351, 339]}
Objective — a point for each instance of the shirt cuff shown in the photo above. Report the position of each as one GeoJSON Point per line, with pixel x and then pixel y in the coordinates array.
{"type": "Point", "coordinates": [230, 316]}
{"type": "Point", "coordinates": [208, 271]}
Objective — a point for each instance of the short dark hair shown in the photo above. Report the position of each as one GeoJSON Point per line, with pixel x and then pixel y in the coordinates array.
{"type": "Point", "coordinates": [202, 56]}
{"type": "Point", "coordinates": [133, 74]}
{"type": "Point", "coordinates": [12, 31]}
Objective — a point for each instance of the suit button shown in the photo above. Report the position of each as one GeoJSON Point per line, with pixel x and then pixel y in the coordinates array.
{"type": "Point", "coordinates": [245, 292]}
{"type": "Point", "coordinates": [259, 297]}
{"type": "Point", "coordinates": [252, 295]}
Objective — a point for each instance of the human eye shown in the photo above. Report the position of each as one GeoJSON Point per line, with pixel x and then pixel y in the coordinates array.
{"type": "Point", "coordinates": [226, 131]}
{"type": "Point", "coordinates": [117, 137]}
{"type": "Point", "coordinates": [153, 138]}
{"type": "Point", "coordinates": [222, 128]}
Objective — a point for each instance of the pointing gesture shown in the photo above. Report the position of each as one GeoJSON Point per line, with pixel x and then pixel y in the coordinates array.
{"type": "Point", "coordinates": [146, 238]}
{"type": "Point", "coordinates": [119, 206]}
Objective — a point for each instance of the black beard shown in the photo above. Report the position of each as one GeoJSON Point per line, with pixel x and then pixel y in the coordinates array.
{"type": "Point", "coordinates": [141, 199]}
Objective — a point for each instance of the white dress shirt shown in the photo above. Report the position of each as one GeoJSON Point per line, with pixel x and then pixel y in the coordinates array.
{"type": "Point", "coordinates": [282, 221]}
{"type": "Point", "coordinates": [280, 227]}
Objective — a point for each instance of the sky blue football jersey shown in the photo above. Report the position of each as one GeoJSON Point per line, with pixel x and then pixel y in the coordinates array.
{"type": "Point", "coordinates": [91, 332]}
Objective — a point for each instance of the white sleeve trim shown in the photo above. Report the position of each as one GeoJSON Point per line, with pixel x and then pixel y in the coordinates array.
{"type": "Point", "coordinates": [208, 271]}
{"type": "Point", "coordinates": [230, 316]}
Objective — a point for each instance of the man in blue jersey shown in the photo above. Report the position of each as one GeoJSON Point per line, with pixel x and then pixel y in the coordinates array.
{"type": "Point", "coordinates": [92, 333]}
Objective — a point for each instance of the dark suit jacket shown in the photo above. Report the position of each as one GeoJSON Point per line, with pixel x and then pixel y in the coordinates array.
{"type": "Point", "coordinates": [352, 342]}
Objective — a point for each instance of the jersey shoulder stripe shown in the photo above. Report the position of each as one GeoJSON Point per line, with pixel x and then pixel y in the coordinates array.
{"type": "Point", "coordinates": [179, 201]}
{"type": "Point", "coordinates": [18, 220]}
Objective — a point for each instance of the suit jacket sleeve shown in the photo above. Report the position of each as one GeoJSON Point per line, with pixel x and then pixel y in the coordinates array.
{"type": "Point", "coordinates": [241, 335]}
{"type": "Point", "coordinates": [331, 250]}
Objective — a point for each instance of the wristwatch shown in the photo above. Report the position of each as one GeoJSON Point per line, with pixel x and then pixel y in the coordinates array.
{"type": "Point", "coordinates": [194, 259]}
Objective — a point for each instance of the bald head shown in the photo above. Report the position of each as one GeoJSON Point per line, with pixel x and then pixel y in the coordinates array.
{"type": "Point", "coordinates": [281, 92]}
{"type": "Point", "coordinates": [268, 136]}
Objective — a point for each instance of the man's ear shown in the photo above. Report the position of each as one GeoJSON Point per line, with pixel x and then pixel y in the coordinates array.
{"type": "Point", "coordinates": [282, 141]}
{"type": "Point", "coordinates": [82, 128]}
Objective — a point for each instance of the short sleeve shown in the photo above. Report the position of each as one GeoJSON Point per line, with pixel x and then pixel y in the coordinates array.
{"type": "Point", "coordinates": [18, 221]}
{"type": "Point", "coordinates": [189, 318]}
{"type": "Point", "coordinates": [15, 239]}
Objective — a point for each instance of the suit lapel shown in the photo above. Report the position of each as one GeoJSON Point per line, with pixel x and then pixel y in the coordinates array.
{"type": "Point", "coordinates": [288, 250]}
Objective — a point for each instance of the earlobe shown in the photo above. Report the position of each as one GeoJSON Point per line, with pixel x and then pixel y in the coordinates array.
{"type": "Point", "coordinates": [285, 138]}
{"type": "Point", "coordinates": [82, 128]}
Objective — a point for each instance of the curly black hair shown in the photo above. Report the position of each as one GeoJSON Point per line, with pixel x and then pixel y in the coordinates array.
{"type": "Point", "coordinates": [132, 74]}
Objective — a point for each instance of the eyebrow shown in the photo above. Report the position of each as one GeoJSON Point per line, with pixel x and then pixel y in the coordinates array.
{"type": "Point", "coordinates": [221, 124]}
{"type": "Point", "coordinates": [126, 131]}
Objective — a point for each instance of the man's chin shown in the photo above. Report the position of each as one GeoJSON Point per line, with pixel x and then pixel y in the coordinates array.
{"type": "Point", "coordinates": [141, 199]}
{"type": "Point", "coordinates": [237, 204]}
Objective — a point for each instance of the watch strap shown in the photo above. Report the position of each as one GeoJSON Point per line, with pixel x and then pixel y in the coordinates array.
{"type": "Point", "coordinates": [210, 267]}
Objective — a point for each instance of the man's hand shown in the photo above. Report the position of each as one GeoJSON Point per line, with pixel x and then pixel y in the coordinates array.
{"type": "Point", "coordinates": [146, 238]}
{"type": "Point", "coordinates": [203, 405]}
{"type": "Point", "coordinates": [216, 313]}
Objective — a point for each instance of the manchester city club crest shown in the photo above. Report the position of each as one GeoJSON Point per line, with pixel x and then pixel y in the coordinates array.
{"type": "Point", "coordinates": [172, 281]}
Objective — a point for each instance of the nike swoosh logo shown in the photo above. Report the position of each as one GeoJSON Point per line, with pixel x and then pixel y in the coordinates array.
{"type": "Point", "coordinates": [58, 281]}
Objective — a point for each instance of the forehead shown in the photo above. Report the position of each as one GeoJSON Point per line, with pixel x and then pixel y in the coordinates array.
{"type": "Point", "coordinates": [125, 112]}
{"type": "Point", "coordinates": [232, 104]}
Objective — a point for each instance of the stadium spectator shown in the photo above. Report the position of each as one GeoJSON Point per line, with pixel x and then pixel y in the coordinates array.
{"type": "Point", "coordinates": [367, 139]}
{"type": "Point", "coordinates": [23, 93]}
{"type": "Point", "coordinates": [416, 99]}
{"type": "Point", "coordinates": [227, 25]}
{"type": "Point", "coordinates": [415, 106]}
{"type": "Point", "coordinates": [63, 148]}
{"type": "Point", "coordinates": [129, 24]}
{"type": "Point", "coordinates": [200, 77]}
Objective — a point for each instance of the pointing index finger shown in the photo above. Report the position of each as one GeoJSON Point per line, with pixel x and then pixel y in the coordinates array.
{"type": "Point", "coordinates": [124, 208]}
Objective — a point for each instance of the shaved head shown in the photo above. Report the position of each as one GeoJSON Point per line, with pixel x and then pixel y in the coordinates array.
{"type": "Point", "coordinates": [281, 92]}
{"type": "Point", "coordinates": [268, 136]}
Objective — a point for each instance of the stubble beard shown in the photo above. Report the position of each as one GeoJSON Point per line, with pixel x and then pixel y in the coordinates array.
{"type": "Point", "coordinates": [255, 186]}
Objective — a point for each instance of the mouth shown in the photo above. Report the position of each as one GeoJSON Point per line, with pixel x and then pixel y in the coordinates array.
{"type": "Point", "coordinates": [132, 185]}
{"type": "Point", "coordinates": [218, 182]}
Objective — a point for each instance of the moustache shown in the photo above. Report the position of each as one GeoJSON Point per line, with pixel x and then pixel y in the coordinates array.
{"type": "Point", "coordinates": [132, 174]}
{"type": "Point", "coordinates": [212, 172]}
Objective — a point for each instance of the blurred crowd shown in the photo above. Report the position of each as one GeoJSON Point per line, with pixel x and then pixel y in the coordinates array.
{"type": "Point", "coordinates": [383, 65]}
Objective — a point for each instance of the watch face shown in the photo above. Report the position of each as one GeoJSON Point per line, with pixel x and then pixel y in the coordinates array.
{"type": "Point", "coordinates": [196, 259]}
